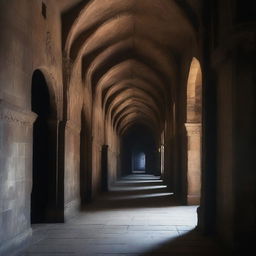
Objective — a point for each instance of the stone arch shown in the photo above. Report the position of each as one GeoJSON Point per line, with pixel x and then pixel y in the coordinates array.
{"type": "Point", "coordinates": [51, 85]}
{"type": "Point", "coordinates": [194, 93]}
{"type": "Point", "coordinates": [193, 128]}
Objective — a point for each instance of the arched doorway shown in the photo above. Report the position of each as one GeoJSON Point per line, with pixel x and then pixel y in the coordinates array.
{"type": "Point", "coordinates": [85, 160]}
{"type": "Point", "coordinates": [43, 196]}
{"type": "Point", "coordinates": [138, 151]}
{"type": "Point", "coordinates": [193, 128]}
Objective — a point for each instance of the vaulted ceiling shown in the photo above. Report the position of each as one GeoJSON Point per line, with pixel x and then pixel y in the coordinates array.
{"type": "Point", "coordinates": [128, 52]}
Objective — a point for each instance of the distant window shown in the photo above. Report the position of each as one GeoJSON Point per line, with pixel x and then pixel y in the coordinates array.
{"type": "Point", "coordinates": [142, 161]}
{"type": "Point", "coordinates": [44, 10]}
{"type": "Point", "coordinates": [139, 161]}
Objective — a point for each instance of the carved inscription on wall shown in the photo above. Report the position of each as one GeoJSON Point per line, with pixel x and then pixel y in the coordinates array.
{"type": "Point", "coordinates": [193, 128]}
{"type": "Point", "coordinates": [11, 114]}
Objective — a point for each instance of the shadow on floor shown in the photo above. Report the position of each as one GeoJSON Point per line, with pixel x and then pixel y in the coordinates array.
{"type": "Point", "coordinates": [191, 243]}
{"type": "Point", "coordinates": [138, 217]}
{"type": "Point", "coordinates": [135, 191]}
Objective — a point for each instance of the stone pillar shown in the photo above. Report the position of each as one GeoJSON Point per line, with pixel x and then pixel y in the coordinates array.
{"type": "Point", "coordinates": [193, 163]}
{"type": "Point", "coordinates": [16, 140]}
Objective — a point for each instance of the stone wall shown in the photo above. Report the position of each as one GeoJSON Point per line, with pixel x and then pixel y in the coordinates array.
{"type": "Point", "coordinates": [15, 178]}
{"type": "Point", "coordinates": [81, 78]}
{"type": "Point", "coordinates": [28, 42]}
{"type": "Point", "coordinates": [230, 48]}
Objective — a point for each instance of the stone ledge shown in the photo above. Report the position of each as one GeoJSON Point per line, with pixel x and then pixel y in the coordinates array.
{"type": "Point", "coordinates": [13, 114]}
{"type": "Point", "coordinates": [193, 128]}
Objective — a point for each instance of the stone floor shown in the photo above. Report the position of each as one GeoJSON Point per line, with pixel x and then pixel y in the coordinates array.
{"type": "Point", "coordinates": [137, 217]}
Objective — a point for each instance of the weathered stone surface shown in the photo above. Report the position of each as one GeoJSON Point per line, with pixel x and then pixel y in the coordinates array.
{"type": "Point", "coordinates": [182, 70]}
{"type": "Point", "coordinates": [141, 227]}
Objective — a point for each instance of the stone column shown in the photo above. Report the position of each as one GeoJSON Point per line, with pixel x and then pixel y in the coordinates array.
{"type": "Point", "coordinates": [193, 163]}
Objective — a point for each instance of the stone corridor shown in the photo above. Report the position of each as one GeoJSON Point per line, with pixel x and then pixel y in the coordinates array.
{"type": "Point", "coordinates": [127, 127]}
{"type": "Point", "coordinates": [137, 217]}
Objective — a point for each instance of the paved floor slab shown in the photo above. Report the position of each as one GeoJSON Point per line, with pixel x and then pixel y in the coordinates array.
{"type": "Point", "coordinates": [149, 224]}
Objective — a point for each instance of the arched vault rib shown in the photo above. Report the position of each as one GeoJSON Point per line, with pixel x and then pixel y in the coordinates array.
{"type": "Point", "coordinates": [131, 103]}
{"type": "Point", "coordinates": [127, 51]}
{"type": "Point", "coordinates": [137, 110]}
{"type": "Point", "coordinates": [123, 108]}
{"type": "Point", "coordinates": [136, 83]}
{"type": "Point", "coordinates": [153, 127]}
{"type": "Point", "coordinates": [128, 69]}
{"type": "Point", "coordinates": [93, 15]}
{"type": "Point", "coordinates": [135, 119]}
{"type": "Point", "coordinates": [123, 86]}
{"type": "Point", "coordinates": [141, 50]}
{"type": "Point", "coordinates": [134, 98]}
{"type": "Point", "coordinates": [125, 73]}
{"type": "Point", "coordinates": [162, 12]}
{"type": "Point", "coordinates": [107, 34]}
{"type": "Point", "coordinates": [134, 116]}
{"type": "Point", "coordinates": [122, 28]}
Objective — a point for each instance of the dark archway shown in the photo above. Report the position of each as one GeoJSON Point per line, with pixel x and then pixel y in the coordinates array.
{"type": "Point", "coordinates": [43, 196]}
{"type": "Point", "coordinates": [85, 160]}
{"type": "Point", "coordinates": [137, 140]}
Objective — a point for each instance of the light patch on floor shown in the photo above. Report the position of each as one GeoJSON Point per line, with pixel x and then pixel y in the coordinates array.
{"type": "Point", "coordinates": [143, 224]}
